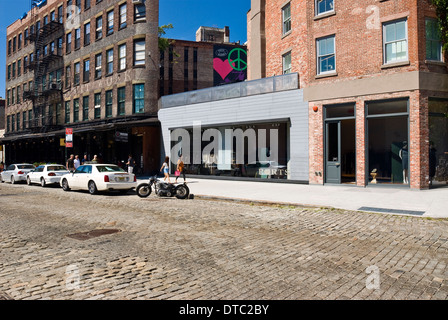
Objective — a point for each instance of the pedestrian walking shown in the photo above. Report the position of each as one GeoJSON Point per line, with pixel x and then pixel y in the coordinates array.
{"type": "Point", "coordinates": [95, 159]}
{"type": "Point", "coordinates": [180, 170]}
{"type": "Point", "coordinates": [71, 163]}
{"type": "Point", "coordinates": [166, 169]}
{"type": "Point", "coordinates": [84, 160]}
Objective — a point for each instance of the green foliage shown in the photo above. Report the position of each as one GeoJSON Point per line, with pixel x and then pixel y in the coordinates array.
{"type": "Point", "coordinates": [442, 14]}
{"type": "Point", "coordinates": [164, 43]}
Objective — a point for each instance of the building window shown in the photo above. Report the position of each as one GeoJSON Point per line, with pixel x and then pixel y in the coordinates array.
{"type": "Point", "coordinates": [286, 15]}
{"type": "Point", "coordinates": [86, 74]}
{"type": "Point", "coordinates": [76, 77]}
{"type": "Point", "coordinates": [139, 52]}
{"type": "Point", "coordinates": [52, 16]}
{"type": "Point", "coordinates": [60, 15]}
{"type": "Point", "coordinates": [14, 44]}
{"type": "Point", "coordinates": [13, 69]}
{"type": "Point", "coordinates": [110, 61]}
{"type": "Point", "coordinates": [24, 122]}
{"type": "Point", "coordinates": [8, 124]}
{"type": "Point", "coordinates": [123, 13]}
{"type": "Point", "coordinates": [99, 28]}
{"type": "Point", "coordinates": [45, 20]}
{"type": "Point", "coordinates": [324, 6]}
{"type": "Point", "coordinates": [121, 92]}
{"type": "Point", "coordinates": [75, 110]}
{"type": "Point", "coordinates": [18, 94]}
{"type": "Point", "coordinates": [68, 43]}
{"type": "Point", "coordinates": [109, 104]}
{"type": "Point", "coordinates": [18, 121]}
{"type": "Point", "coordinates": [98, 65]}
{"type": "Point", "coordinates": [326, 57]}
{"type": "Point", "coordinates": [139, 98]}
{"type": "Point", "coordinates": [9, 72]}
{"type": "Point", "coordinates": [9, 47]}
{"type": "Point", "coordinates": [122, 57]}
{"type": "Point", "coordinates": [19, 67]}
{"type": "Point", "coordinates": [77, 38]}
{"type": "Point", "coordinates": [97, 101]}
{"type": "Point", "coordinates": [87, 34]}
{"type": "Point", "coordinates": [87, 4]}
{"type": "Point", "coordinates": [68, 10]}
{"type": "Point", "coordinates": [68, 76]}
{"type": "Point", "coordinates": [433, 41]}
{"type": "Point", "coordinates": [85, 108]}
{"type": "Point", "coordinates": [13, 120]}
{"type": "Point", "coordinates": [286, 62]}
{"type": "Point", "coordinates": [67, 112]}
{"type": "Point", "coordinates": [110, 23]}
{"type": "Point", "coordinates": [25, 38]}
{"type": "Point", "coordinates": [19, 41]}
{"type": "Point", "coordinates": [395, 43]}
{"type": "Point", "coordinates": [140, 12]}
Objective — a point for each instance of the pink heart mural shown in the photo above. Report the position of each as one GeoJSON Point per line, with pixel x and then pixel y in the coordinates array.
{"type": "Point", "coordinates": [222, 67]}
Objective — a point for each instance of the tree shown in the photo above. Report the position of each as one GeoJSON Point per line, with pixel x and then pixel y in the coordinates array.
{"type": "Point", "coordinates": [164, 43]}
{"type": "Point", "coordinates": [442, 14]}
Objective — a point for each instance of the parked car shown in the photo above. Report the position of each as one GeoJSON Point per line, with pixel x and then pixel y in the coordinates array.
{"type": "Point", "coordinates": [16, 172]}
{"type": "Point", "coordinates": [99, 177]}
{"type": "Point", "coordinates": [46, 174]}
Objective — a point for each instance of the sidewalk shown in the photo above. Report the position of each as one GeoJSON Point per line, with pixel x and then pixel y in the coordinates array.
{"type": "Point", "coordinates": [394, 200]}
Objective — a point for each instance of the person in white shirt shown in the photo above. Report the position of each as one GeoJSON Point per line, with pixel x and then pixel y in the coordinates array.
{"type": "Point", "coordinates": [77, 162]}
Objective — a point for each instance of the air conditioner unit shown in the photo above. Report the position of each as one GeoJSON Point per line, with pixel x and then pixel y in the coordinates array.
{"type": "Point", "coordinates": [137, 1]}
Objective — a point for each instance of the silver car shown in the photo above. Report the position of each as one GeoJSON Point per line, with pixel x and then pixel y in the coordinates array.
{"type": "Point", "coordinates": [16, 172]}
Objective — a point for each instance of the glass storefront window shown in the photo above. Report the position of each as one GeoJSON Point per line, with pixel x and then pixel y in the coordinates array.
{"type": "Point", "coordinates": [438, 142]}
{"type": "Point", "coordinates": [256, 151]}
{"type": "Point", "coordinates": [388, 148]}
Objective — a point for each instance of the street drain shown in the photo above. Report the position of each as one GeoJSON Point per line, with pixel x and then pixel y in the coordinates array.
{"type": "Point", "coordinates": [92, 234]}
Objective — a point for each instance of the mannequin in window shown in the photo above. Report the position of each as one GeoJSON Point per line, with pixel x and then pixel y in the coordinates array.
{"type": "Point", "coordinates": [404, 156]}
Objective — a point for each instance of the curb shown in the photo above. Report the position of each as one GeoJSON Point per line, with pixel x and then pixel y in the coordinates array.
{"type": "Point", "coordinates": [260, 202]}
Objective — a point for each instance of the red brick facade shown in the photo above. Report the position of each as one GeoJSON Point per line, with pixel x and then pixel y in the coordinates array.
{"type": "Point", "coordinates": [361, 74]}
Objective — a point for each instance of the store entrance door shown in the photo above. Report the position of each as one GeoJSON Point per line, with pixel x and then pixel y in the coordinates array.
{"type": "Point", "coordinates": [340, 154]}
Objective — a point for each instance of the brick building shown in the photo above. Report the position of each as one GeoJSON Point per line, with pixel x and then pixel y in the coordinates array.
{"type": "Point", "coordinates": [376, 81]}
{"type": "Point", "coordinates": [86, 65]}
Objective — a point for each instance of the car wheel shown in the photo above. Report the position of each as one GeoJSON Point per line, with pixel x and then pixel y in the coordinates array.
{"type": "Point", "coordinates": [65, 186]}
{"type": "Point", "coordinates": [42, 182]}
{"type": "Point", "coordinates": [28, 181]}
{"type": "Point", "coordinates": [13, 181]}
{"type": "Point", "coordinates": [92, 188]}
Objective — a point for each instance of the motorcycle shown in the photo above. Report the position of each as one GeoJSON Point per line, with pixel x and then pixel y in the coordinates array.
{"type": "Point", "coordinates": [162, 189]}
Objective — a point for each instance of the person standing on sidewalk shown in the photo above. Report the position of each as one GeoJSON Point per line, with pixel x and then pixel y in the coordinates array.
{"type": "Point", "coordinates": [130, 164]}
{"type": "Point", "coordinates": [71, 163]}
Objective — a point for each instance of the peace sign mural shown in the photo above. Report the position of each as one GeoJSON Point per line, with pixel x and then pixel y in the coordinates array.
{"type": "Point", "coordinates": [229, 64]}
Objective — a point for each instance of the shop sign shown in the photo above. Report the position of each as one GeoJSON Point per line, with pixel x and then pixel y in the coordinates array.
{"type": "Point", "coordinates": [121, 136]}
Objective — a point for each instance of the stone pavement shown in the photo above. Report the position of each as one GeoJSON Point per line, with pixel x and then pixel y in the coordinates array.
{"type": "Point", "coordinates": [401, 200]}
{"type": "Point", "coordinates": [203, 249]}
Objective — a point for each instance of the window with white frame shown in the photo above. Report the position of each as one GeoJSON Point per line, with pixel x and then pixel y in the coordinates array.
{"type": "Point", "coordinates": [110, 22]}
{"type": "Point", "coordinates": [122, 57]}
{"type": "Point", "coordinates": [123, 13]}
{"type": "Point", "coordinates": [286, 16]}
{"type": "Point", "coordinates": [139, 52]}
{"type": "Point", "coordinates": [286, 63]}
{"type": "Point", "coordinates": [395, 42]}
{"type": "Point", "coordinates": [433, 40]}
{"type": "Point", "coordinates": [110, 61]}
{"type": "Point", "coordinates": [326, 55]}
{"type": "Point", "coordinates": [324, 6]}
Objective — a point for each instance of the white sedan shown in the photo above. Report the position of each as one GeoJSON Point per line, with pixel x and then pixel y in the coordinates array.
{"type": "Point", "coordinates": [16, 172]}
{"type": "Point", "coordinates": [99, 177]}
{"type": "Point", "coordinates": [46, 174]}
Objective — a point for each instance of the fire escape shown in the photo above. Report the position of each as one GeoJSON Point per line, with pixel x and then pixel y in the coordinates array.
{"type": "Point", "coordinates": [46, 63]}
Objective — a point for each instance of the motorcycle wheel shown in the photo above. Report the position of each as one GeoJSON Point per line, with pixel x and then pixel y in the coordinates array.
{"type": "Point", "coordinates": [182, 191]}
{"type": "Point", "coordinates": [143, 190]}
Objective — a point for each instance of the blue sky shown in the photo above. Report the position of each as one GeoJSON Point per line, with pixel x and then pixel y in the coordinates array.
{"type": "Point", "coordinates": [185, 15]}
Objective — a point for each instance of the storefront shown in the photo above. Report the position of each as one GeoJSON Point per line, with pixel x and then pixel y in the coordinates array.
{"type": "Point", "coordinates": [250, 130]}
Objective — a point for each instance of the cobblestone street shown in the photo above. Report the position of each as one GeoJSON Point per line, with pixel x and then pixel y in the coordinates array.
{"type": "Point", "coordinates": [200, 249]}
